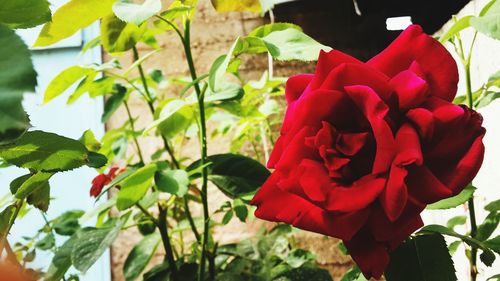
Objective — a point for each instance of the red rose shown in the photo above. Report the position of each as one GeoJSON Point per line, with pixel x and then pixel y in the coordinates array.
{"type": "Point", "coordinates": [365, 147]}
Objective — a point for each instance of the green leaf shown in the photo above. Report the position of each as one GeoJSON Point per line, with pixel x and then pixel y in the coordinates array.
{"type": "Point", "coordinates": [40, 197]}
{"type": "Point", "coordinates": [178, 122]}
{"type": "Point", "coordinates": [135, 186]}
{"type": "Point", "coordinates": [454, 201]}
{"type": "Point", "coordinates": [493, 206]}
{"type": "Point", "coordinates": [61, 261]}
{"type": "Point", "coordinates": [292, 44]}
{"type": "Point", "coordinates": [494, 277]}
{"type": "Point", "coordinates": [140, 256]}
{"type": "Point", "coordinates": [89, 140]}
{"type": "Point", "coordinates": [230, 91]}
{"type": "Point", "coordinates": [46, 243]}
{"type": "Point", "coordinates": [17, 76]}
{"type": "Point", "coordinates": [46, 152]}
{"type": "Point", "coordinates": [237, 6]}
{"type": "Point", "coordinates": [175, 182]}
{"type": "Point", "coordinates": [136, 13]}
{"type": "Point", "coordinates": [458, 26]}
{"type": "Point", "coordinates": [71, 17]}
{"type": "Point", "coordinates": [227, 217]}
{"type": "Point", "coordinates": [489, 226]}
{"type": "Point", "coordinates": [113, 102]}
{"type": "Point", "coordinates": [489, 23]}
{"type": "Point", "coordinates": [67, 223]}
{"type": "Point", "coordinates": [264, 30]}
{"type": "Point", "coordinates": [240, 210]}
{"type": "Point", "coordinates": [235, 175]}
{"type": "Point", "coordinates": [354, 274]}
{"type": "Point", "coordinates": [92, 243]}
{"type": "Point", "coordinates": [487, 256]}
{"type": "Point", "coordinates": [24, 14]}
{"type": "Point", "coordinates": [298, 257]}
{"type": "Point", "coordinates": [494, 80]}
{"type": "Point", "coordinates": [96, 160]}
{"type": "Point", "coordinates": [493, 244]}
{"type": "Point", "coordinates": [171, 107]}
{"type": "Point", "coordinates": [64, 80]}
{"type": "Point", "coordinates": [455, 221]}
{"type": "Point", "coordinates": [219, 69]}
{"type": "Point", "coordinates": [5, 217]}
{"type": "Point", "coordinates": [304, 273]}
{"type": "Point", "coordinates": [452, 248]}
{"type": "Point", "coordinates": [118, 36]}
{"type": "Point", "coordinates": [424, 257]}
{"type": "Point", "coordinates": [486, 7]}
{"type": "Point", "coordinates": [487, 98]}
{"type": "Point", "coordinates": [32, 183]}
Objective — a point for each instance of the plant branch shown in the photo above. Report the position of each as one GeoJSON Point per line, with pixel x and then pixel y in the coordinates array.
{"type": "Point", "coordinates": [163, 227]}
{"type": "Point", "coordinates": [132, 125]}
{"type": "Point", "coordinates": [152, 109]}
{"type": "Point", "coordinates": [190, 220]}
{"type": "Point", "coordinates": [204, 148]}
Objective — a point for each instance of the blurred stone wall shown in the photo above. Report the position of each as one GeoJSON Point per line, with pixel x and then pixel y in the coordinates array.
{"type": "Point", "coordinates": [212, 36]}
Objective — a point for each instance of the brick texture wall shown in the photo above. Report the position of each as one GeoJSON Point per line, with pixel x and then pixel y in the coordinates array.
{"type": "Point", "coordinates": [212, 35]}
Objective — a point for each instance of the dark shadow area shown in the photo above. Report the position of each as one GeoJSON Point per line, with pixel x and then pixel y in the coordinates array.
{"type": "Point", "coordinates": [335, 22]}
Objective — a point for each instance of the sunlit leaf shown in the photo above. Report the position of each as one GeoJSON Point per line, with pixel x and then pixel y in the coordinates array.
{"type": "Point", "coordinates": [175, 182]}
{"type": "Point", "coordinates": [24, 14]}
{"type": "Point", "coordinates": [119, 36]}
{"type": "Point", "coordinates": [135, 186]}
{"type": "Point", "coordinates": [64, 80]}
{"type": "Point", "coordinates": [136, 13]}
{"type": "Point", "coordinates": [458, 26]}
{"type": "Point", "coordinates": [237, 6]}
{"type": "Point", "coordinates": [70, 18]}
{"type": "Point", "coordinates": [454, 201]}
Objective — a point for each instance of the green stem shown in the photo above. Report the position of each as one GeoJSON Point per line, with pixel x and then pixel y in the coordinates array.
{"type": "Point", "coordinates": [3, 241]}
{"type": "Point", "coordinates": [472, 212]}
{"type": "Point", "coordinates": [149, 100]}
{"type": "Point", "coordinates": [132, 126]}
{"type": "Point", "coordinates": [190, 219]}
{"type": "Point", "coordinates": [204, 148]}
{"type": "Point", "coordinates": [163, 227]}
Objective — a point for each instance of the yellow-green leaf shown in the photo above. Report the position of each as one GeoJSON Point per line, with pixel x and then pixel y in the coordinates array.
{"type": "Point", "coordinates": [237, 6]}
{"type": "Point", "coordinates": [71, 17]}
{"type": "Point", "coordinates": [64, 80]}
{"type": "Point", "coordinates": [135, 186]}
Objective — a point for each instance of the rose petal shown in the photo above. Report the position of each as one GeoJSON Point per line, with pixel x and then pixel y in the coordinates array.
{"type": "Point", "coordinates": [276, 205]}
{"type": "Point", "coordinates": [358, 196]}
{"type": "Point", "coordinates": [314, 180]}
{"type": "Point", "coordinates": [424, 186]}
{"type": "Point", "coordinates": [411, 89]}
{"type": "Point", "coordinates": [375, 111]}
{"type": "Point", "coordinates": [434, 60]}
{"type": "Point", "coordinates": [371, 257]}
{"type": "Point", "coordinates": [328, 61]}
{"type": "Point", "coordinates": [296, 85]}
{"type": "Point", "coordinates": [393, 198]}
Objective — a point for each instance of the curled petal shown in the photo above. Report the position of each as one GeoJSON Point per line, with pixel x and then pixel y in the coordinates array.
{"type": "Point", "coordinates": [371, 256]}
{"type": "Point", "coordinates": [359, 195]}
{"type": "Point", "coordinates": [438, 67]}
{"type": "Point", "coordinates": [296, 85]}
{"type": "Point", "coordinates": [327, 61]}
{"type": "Point", "coordinates": [411, 89]}
{"type": "Point", "coordinates": [375, 110]}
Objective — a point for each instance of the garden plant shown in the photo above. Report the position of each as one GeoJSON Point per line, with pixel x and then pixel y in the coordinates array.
{"type": "Point", "coordinates": [356, 150]}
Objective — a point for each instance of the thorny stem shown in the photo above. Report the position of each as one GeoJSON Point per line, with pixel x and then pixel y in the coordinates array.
{"type": "Point", "coordinates": [472, 212]}
{"type": "Point", "coordinates": [132, 126]}
{"type": "Point", "coordinates": [204, 150]}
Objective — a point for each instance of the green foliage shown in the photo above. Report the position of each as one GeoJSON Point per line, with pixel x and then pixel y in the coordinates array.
{"type": "Point", "coordinates": [235, 175]}
{"type": "Point", "coordinates": [454, 201]}
{"type": "Point", "coordinates": [92, 243]}
{"type": "Point", "coordinates": [135, 186]}
{"type": "Point", "coordinates": [24, 14]}
{"type": "Point", "coordinates": [114, 102]}
{"type": "Point", "coordinates": [354, 274]}
{"type": "Point", "coordinates": [175, 182]}
{"type": "Point", "coordinates": [493, 244]}
{"type": "Point", "coordinates": [136, 13]}
{"type": "Point", "coordinates": [487, 257]}
{"type": "Point", "coordinates": [489, 22]}
{"type": "Point", "coordinates": [46, 152]}
{"type": "Point", "coordinates": [458, 26]}
{"type": "Point", "coordinates": [64, 80]}
{"type": "Point", "coordinates": [424, 257]}
{"type": "Point", "coordinates": [70, 18]}
{"type": "Point", "coordinates": [16, 77]}
{"type": "Point", "coordinates": [119, 36]}
{"type": "Point", "coordinates": [493, 206]}
{"type": "Point", "coordinates": [140, 256]}
{"type": "Point", "coordinates": [455, 221]}
{"type": "Point", "coordinates": [67, 223]}
{"type": "Point", "coordinates": [237, 6]}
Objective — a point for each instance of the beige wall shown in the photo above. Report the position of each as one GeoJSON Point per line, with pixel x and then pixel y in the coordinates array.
{"type": "Point", "coordinates": [212, 36]}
